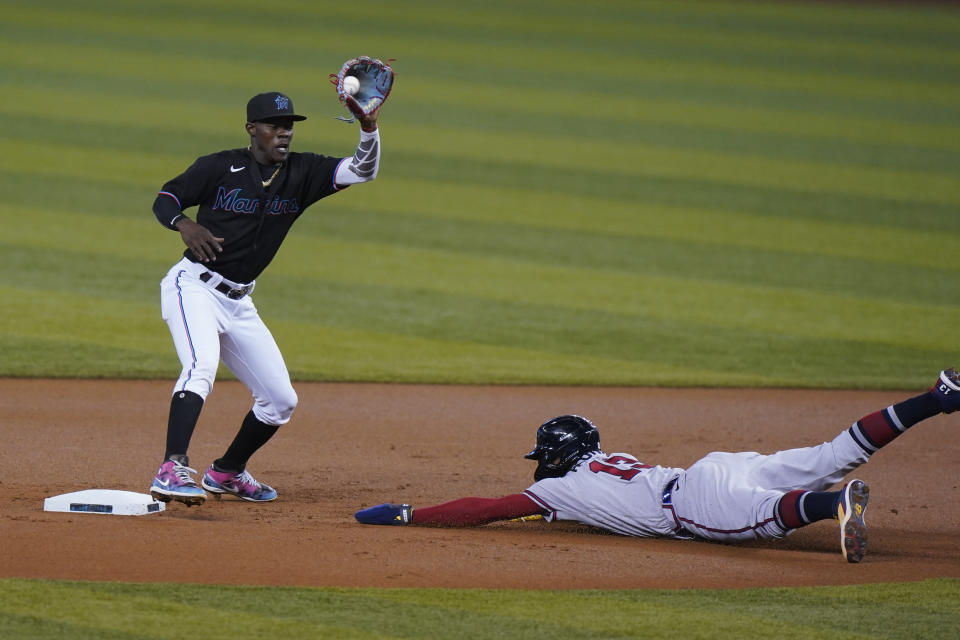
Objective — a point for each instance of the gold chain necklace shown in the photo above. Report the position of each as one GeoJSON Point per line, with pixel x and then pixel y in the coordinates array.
{"type": "Point", "coordinates": [267, 183]}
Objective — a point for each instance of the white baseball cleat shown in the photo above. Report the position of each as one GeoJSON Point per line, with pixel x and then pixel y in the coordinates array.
{"type": "Point", "coordinates": [853, 528]}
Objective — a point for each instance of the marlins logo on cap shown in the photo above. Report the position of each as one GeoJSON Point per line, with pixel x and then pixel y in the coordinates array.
{"type": "Point", "coordinates": [273, 104]}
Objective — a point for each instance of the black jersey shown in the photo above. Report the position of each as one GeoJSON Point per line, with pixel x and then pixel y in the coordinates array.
{"type": "Point", "coordinates": [234, 205]}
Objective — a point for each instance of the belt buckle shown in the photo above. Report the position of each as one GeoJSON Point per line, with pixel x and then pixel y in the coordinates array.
{"type": "Point", "coordinates": [236, 294]}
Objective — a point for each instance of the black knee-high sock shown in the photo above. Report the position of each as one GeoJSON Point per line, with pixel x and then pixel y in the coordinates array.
{"type": "Point", "coordinates": [253, 434]}
{"type": "Point", "coordinates": [879, 428]}
{"type": "Point", "coordinates": [185, 409]}
{"type": "Point", "coordinates": [799, 508]}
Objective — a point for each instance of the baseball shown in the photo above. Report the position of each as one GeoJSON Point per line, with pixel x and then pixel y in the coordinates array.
{"type": "Point", "coordinates": [351, 85]}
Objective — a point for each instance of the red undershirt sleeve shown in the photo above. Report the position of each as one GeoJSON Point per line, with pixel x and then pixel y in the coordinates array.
{"type": "Point", "coordinates": [468, 512]}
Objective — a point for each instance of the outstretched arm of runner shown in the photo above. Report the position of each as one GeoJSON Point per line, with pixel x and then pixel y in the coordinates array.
{"type": "Point", "coordinates": [465, 512]}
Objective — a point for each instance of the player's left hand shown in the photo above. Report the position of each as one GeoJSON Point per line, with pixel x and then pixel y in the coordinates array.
{"type": "Point", "coordinates": [394, 514]}
{"type": "Point", "coordinates": [368, 122]}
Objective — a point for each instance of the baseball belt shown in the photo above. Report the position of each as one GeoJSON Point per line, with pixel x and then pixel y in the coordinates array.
{"type": "Point", "coordinates": [667, 499]}
{"type": "Point", "coordinates": [231, 292]}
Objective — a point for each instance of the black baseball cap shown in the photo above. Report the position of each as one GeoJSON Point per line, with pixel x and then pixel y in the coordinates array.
{"type": "Point", "coordinates": [273, 104]}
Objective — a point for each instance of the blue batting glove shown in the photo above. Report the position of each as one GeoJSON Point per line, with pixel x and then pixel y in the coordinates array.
{"type": "Point", "coordinates": [395, 514]}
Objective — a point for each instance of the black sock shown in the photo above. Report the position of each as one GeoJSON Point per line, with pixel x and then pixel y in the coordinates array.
{"type": "Point", "coordinates": [184, 412]}
{"type": "Point", "coordinates": [253, 434]}
{"type": "Point", "coordinates": [916, 409]}
{"type": "Point", "coordinates": [819, 505]}
{"type": "Point", "coordinates": [880, 428]}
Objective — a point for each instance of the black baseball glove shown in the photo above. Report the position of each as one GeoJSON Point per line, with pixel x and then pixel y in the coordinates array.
{"type": "Point", "coordinates": [376, 80]}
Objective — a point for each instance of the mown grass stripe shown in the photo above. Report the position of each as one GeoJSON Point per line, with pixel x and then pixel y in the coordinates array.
{"type": "Point", "coordinates": [620, 220]}
{"type": "Point", "coordinates": [34, 313]}
{"type": "Point", "coordinates": [761, 131]}
{"type": "Point", "coordinates": [335, 351]}
{"type": "Point", "coordinates": [65, 357]}
{"type": "Point", "coordinates": [915, 26]}
{"type": "Point", "coordinates": [340, 277]}
{"type": "Point", "coordinates": [51, 161]}
{"type": "Point", "coordinates": [72, 198]}
{"type": "Point", "coordinates": [671, 191]}
{"type": "Point", "coordinates": [92, 609]}
{"type": "Point", "coordinates": [546, 330]}
{"type": "Point", "coordinates": [797, 102]}
{"type": "Point", "coordinates": [746, 72]}
{"type": "Point", "coordinates": [724, 25]}
{"type": "Point", "coordinates": [675, 260]}
{"type": "Point", "coordinates": [908, 122]}
{"type": "Point", "coordinates": [676, 250]}
{"type": "Point", "coordinates": [917, 610]}
{"type": "Point", "coordinates": [649, 161]}
{"type": "Point", "coordinates": [721, 25]}
{"type": "Point", "coordinates": [330, 353]}
{"type": "Point", "coordinates": [572, 292]}
{"type": "Point", "coordinates": [628, 34]}
{"type": "Point", "coordinates": [530, 194]}
{"type": "Point", "coordinates": [684, 258]}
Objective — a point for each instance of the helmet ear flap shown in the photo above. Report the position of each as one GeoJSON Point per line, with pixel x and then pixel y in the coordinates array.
{"type": "Point", "coordinates": [541, 472]}
{"type": "Point", "coordinates": [541, 455]}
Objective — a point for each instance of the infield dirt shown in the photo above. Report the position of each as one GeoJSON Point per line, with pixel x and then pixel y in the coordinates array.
{"type": "Point", "coordinates": [354, 445]}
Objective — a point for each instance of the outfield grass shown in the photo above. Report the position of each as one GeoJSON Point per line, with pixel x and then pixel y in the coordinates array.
{"type": "Point", "coordinates": [42, 609]}
{"type": "Point", "coordinates": [649, 193]}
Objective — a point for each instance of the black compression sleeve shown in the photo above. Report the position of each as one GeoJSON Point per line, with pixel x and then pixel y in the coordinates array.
{"type": "Point", "coordinates": [167, 210]}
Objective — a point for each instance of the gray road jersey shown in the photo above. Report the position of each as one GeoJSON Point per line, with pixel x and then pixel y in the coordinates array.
{"type": "Point", "coordinates": [612, 491]}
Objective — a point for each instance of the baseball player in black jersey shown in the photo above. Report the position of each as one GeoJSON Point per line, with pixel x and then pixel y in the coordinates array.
{"type": "Point", "coordinates": [247, 201]}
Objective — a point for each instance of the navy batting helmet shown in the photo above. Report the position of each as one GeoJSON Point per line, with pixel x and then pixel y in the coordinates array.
{"type": "Point", "coordinates": [561, 442]}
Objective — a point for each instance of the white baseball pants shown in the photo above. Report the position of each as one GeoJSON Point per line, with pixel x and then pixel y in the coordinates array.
{"type": "Point", "coordinates": [733, 496]}
{"type": "Point", "coordinates": [207, 326]}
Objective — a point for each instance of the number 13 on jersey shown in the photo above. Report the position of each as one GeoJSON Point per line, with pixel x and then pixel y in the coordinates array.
{"type": "Point", "coordinates": [624, 467]}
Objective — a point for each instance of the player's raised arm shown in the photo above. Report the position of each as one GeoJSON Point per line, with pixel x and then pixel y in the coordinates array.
{"type": "Point", "coordinates": [365, 163]}
{"type": "Point", "coordinates": [362, 84]}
